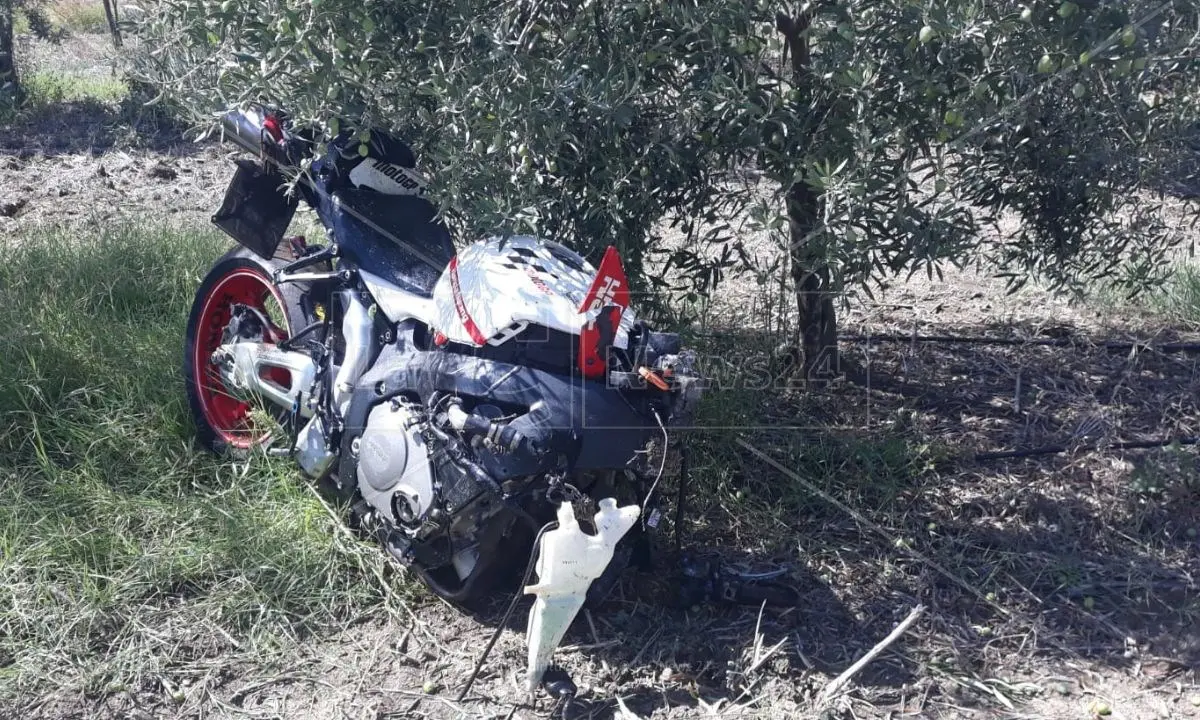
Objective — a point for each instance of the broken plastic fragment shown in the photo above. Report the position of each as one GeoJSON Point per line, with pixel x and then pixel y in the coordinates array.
{"type": "Point", "coordinates": [568, 561]}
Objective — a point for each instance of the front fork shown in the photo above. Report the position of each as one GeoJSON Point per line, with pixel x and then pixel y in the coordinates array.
{"type": "Point", "coordinates": [316, 448]}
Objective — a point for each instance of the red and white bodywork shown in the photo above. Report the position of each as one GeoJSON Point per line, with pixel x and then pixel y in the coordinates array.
{"type": "Point", "coordinates": [495, 288]}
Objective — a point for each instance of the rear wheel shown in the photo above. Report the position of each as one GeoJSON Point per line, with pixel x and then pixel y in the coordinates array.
{"type": "Point", "coordinates": [226, 424]}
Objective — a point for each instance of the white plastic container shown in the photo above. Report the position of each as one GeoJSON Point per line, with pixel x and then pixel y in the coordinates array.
{"type": "Point", "coordinates": [568, 561]}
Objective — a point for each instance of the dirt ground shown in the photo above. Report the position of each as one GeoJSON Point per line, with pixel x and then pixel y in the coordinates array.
{"type": "Point", "coordinates": [1052, 587]}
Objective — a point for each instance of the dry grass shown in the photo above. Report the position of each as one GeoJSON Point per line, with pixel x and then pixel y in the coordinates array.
{"type": "Point", "coordinates": [83, 16]}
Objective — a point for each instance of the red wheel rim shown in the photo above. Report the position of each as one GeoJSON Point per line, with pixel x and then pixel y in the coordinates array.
{"type": "Point", "coordinates": [229, 416]}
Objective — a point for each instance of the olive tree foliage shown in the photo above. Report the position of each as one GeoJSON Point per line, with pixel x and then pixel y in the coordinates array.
{"type": "Point", "coordinates": [889, 134]}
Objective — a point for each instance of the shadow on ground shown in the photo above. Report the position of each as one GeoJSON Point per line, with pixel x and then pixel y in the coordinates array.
{"type": "Point", "coordinates": [1083, 558]}
{"type": "Point", "coordinates": [90, 126]}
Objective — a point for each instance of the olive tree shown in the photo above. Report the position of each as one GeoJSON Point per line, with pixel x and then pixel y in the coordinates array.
{"type": "Point", "coordinates": [893, 132]}
{"type": "Point", "coordinates": [39, 25]}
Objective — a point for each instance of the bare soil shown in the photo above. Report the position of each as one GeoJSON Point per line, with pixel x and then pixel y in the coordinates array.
{"type": "Point", "coordinates": [1083, 564]}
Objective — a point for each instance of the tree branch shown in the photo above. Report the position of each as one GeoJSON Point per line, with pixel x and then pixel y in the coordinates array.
{"type": "Point", "coordinates": [834, 687]}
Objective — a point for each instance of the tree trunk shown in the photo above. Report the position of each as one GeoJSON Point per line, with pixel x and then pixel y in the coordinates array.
{"type": "Point", "coordinates": [9, 87]}
{"type": "Point", "coordinates": [817, 322]}
{"type": "Point", "coordinates": [110, 14]}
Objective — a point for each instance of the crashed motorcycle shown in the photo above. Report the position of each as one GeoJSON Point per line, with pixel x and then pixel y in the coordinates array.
{"type": "Point", "coordinates": [457, 399]}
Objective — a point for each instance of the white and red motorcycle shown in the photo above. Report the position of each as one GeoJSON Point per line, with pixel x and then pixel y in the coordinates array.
{"type": "Point", "coordinates": [454, 399]}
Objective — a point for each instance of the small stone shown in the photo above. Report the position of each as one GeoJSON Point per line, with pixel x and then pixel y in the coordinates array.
{"type": "Point", "coordinates": [162, 171]}
{"type": "Point", "coordinates": [11, 207]}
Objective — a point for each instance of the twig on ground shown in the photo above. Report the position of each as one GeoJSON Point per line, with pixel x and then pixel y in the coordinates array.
{"type": "Point", "coordinates": [758, 663]}
{"type": "Point", "coordinates": [758, 632]}
{"type": "Point", "coordinates": [455, 706]}
{"type": "Point", "coordinates": [591, 624]}
{"type": "Point", "coordinates": [834, 687]}
{"type": "Point", "coordinates": [653, 637]}
{"type": "Point", "coordinates": [760, 657]}
{"type": "Point", "coordinates": [589, 646]}
{"type": "Point", "coordinates": [240, 694]}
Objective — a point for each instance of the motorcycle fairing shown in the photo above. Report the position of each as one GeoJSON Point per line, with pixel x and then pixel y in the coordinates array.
{"type": "Point", "coordinates": [487, 293]}
{"type": "Point", "coordinates": [394, 237]}
{"type": "Point", "coordinates": [607, 298]}
{"type": "Point", "coordinates": [387, 178]}
{"type": "Point", "coordinates": [496, 287]}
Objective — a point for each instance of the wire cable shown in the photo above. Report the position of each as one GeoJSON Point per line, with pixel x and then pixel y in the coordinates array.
{"type": "Point", "coordinates": [1065, 342]}
{"type": "Point", "coordinates": [661, 467]}
{"type": "Point", "coordinates": [507, 613]}
{"type": "Point", "coordinates": [1056, 449]}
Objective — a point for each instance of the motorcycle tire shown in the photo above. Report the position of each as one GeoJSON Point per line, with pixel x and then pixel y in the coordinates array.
{"type": "Point", "coordinates": [223, 423]}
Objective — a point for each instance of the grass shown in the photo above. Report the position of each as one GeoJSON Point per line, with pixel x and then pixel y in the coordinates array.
{"type": "Point", "coordinates": [1179, 300]}
{"type": "Point", "coordinates": [85, 16]}
{"type": "Point", "coordinates": [1176, 301]}
{"type": "Point", "coordinates": [72, 16]}
{"type": "Point", "coordinates": [47, 92]}
{"type": "Point", "coordinates": [47, 87]}
{"type": "Point", "coordinates": [124, 550]}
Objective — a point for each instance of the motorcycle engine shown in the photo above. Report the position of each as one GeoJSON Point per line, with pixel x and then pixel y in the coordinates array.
{"type": "Point", "coordinates": [394, 473]}
{"type": "Point", "coordinates": [421, 480]}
